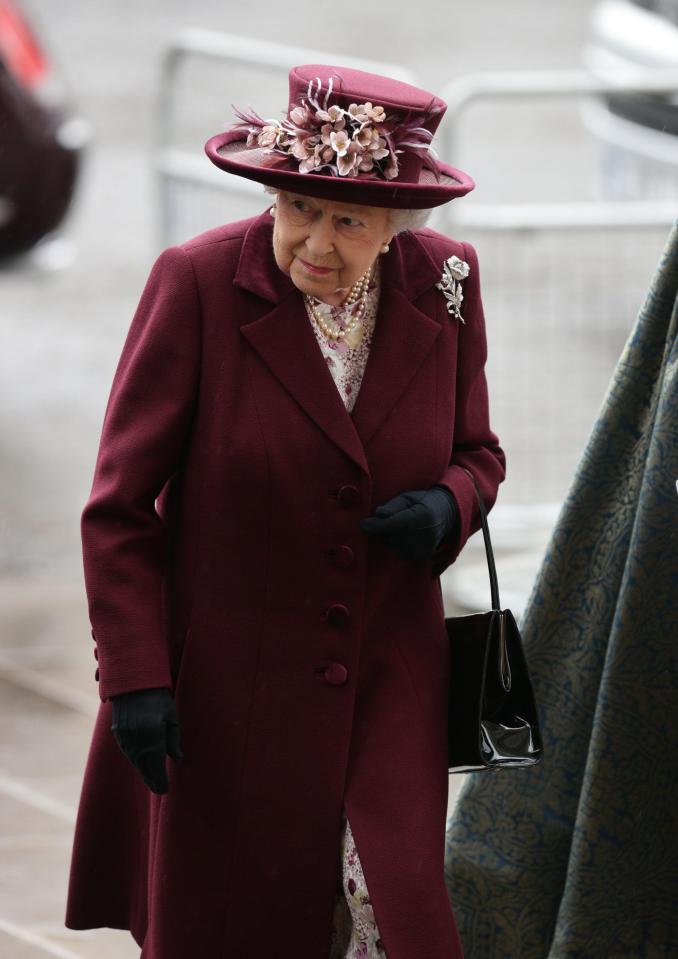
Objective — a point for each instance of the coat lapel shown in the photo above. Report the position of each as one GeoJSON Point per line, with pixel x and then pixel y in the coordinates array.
{"type": "Point", "coordinates": [281, 333]}
{"type": "Point", "coordinates": [403, 335]}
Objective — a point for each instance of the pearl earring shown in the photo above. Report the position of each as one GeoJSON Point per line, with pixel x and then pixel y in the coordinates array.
{"type": "Point", "coordinates": [272, 210]}
{"type": "Point", "coordinates": [385, 248]}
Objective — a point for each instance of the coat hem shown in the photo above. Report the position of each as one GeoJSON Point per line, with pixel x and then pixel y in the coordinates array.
{"type": "Point", "coordinates": [122, 925]}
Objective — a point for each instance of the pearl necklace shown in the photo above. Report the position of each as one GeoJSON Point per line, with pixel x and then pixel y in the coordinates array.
{"type": "Point", "coordinates": [358, 293]}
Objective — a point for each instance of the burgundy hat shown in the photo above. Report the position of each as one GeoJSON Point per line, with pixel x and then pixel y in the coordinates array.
{"type": "Point", "coordinates": [347, 136]}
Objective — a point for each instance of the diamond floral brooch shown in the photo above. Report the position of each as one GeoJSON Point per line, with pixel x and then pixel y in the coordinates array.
{"type": "Point", "coordinates": [454, 270]}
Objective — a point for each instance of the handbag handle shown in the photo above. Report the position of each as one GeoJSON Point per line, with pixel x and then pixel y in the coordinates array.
{"type": "Point", "coordinates": [494, 585]}
{"type": "Point", "coordinates": [503, 665]}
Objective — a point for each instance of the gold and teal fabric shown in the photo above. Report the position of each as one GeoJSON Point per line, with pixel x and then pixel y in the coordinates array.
{"type": "Point", "coordinates": [578, 858]}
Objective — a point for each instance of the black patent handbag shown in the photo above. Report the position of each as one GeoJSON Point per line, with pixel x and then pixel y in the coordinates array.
{"type": "Point", "coordinates": [492, 717]}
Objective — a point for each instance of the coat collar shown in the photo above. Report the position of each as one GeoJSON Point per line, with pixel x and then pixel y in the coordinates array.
{"type": "Point", "coordinates": [280, 331]}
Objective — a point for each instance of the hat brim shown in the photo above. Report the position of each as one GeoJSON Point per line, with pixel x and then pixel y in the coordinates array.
{"type": "Point", "coordinates": [228, 151]}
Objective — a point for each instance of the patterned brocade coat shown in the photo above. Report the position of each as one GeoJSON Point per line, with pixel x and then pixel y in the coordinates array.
{"type": "Point", "coordinates": [309, 664]}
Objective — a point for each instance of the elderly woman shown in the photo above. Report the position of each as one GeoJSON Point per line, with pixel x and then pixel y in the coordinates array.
{"type": "Point", "coordinates": [279, 485]}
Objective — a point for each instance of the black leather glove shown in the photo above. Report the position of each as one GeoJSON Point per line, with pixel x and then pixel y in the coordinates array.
{"type": "Point", "coordinates": [415, 523]}
{"type": "Point", "coordinates": [146, 728]}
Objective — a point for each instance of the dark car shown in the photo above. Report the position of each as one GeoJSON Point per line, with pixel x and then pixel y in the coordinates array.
{"type": "Point", "coordinates": [639, 130]}
{"type": "Point", "coordinates": [41, 138]}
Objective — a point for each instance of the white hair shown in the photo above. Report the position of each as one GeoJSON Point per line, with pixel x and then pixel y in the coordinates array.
{"type": "Point", "coordinates": [399, 220]}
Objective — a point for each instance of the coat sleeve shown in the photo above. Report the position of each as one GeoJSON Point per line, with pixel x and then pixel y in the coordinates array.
{"type": "Point", "coordinates": [145, 429]}
{"type": "Point", "coordinates": [475, 446]}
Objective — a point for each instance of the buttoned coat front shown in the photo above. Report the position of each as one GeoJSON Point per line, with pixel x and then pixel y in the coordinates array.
{"type": "Point", "coordinates": [224, 559]}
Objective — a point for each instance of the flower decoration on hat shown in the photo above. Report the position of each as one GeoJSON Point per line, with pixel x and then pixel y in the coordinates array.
{"type": "Point", "coordinates": [454, 270]}
{"type": "Point", "coordinates": [362, 140]}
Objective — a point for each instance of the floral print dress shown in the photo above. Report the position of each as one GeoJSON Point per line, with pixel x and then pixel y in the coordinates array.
{"type": "Point", "coordinates": [346, 359]}
{"type": "Point", "coordinates": [355, 934]}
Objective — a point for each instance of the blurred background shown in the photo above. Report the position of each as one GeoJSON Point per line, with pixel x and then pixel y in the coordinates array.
{"type": "Point", "coordinates": [565, 115]}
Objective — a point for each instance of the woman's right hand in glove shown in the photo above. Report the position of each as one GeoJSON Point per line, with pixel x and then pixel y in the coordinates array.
{"type": "Point", "coordinates": [146, 728]}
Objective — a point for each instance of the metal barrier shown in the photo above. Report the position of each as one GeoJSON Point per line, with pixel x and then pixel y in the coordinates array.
{"type": "Point", "coordinates": [562, 284]}
{"type": "Point", "coordinates": [471, 89]}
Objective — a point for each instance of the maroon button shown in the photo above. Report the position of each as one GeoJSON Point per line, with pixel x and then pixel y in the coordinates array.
{"type": "Point", "coordinates": [96, 675]}
{"type": "Point", "coordinates": [96, 653]}
{"type": "Point", "coordinates": [348, 495]}
{"type": "Point", "coordinates": [337, 614]}
{"type": "Point", "coordinates": [343, 556]}
{"type": "Point", "coordinates": [336, 674]}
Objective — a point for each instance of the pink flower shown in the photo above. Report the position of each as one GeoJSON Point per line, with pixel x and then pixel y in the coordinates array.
{"type": "Point", "coordinates": [323, 154]}
{"type": "Point", "coordinates": [340, 142]}
{"type": "Point", "coordinates": [322, 137]}
{"type": "Point", "coordinates": [363, 136]}
{"type": "Point", "coordinates": [391, 168]}
{"type": "Point", "coordinates": [375, 114]}
{"type": "Point", "coordinates": [358, 112]}
{"type": "Point", "coordinates": [378, 148]}
{"type": "Point", "coordinates": [300, 148]}
{"type": "Point", "coordinates": [334, 114]}
{"type": "Point", "coordinates": [368, 139]}
{"type": "Point", "coordinates": [269, 135]}
{"type": "Point", "coordinates": [300, 116]}
{"type": "Point", "coordinates": [307, 165]}
{"type": "Point", "coordinates": [327, 129]}
{"type": "Point", "coordinates": [349, 161]}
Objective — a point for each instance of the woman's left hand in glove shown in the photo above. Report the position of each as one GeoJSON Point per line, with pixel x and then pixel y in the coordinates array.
{"type": "Point", "coordinates": [413, 524]}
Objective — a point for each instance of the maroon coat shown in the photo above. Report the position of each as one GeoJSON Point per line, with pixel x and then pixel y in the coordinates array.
{"type": "Point", "coordinates": [309, 663]}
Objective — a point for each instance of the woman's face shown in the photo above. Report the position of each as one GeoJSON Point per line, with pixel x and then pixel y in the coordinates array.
{"type": "Point", "coordinates": [324, 246]}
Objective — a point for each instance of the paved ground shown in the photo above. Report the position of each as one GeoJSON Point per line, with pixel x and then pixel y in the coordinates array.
{"type": "Point", "coordinates": [558, 313]}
